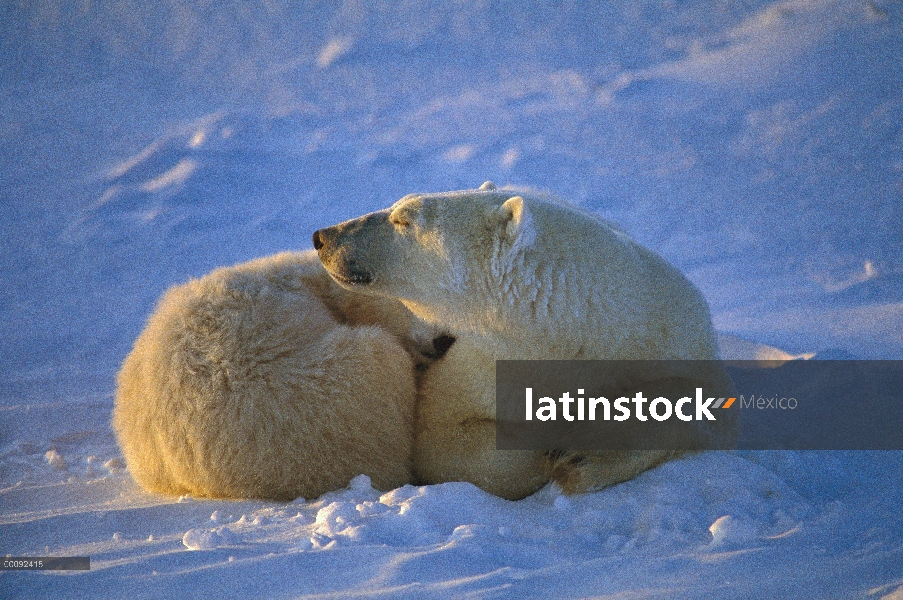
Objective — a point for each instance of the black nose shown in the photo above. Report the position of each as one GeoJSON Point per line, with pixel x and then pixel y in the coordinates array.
{"type": "Point", "coordinates": [318, 242]}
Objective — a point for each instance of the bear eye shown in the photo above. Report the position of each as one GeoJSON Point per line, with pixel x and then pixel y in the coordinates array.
{"type": "Point", "coordinates": [399, 221]}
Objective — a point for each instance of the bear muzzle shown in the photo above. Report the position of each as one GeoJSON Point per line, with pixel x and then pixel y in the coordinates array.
{"type": "Point", "coordinates": [335, 260]}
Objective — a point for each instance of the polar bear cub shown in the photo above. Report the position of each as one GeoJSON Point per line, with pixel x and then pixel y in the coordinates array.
{"type": "Point", "coordinates": [513, 275]}
{"type": "Point", "coordinates": [268, 380]}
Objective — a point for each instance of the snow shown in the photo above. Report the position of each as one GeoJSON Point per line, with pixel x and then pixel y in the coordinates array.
{"type": "Point", "coordinates": [757, 145]}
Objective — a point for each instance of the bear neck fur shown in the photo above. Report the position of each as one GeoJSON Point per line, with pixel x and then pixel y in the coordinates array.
{"type": "Point", "coordinates": [523, 295]}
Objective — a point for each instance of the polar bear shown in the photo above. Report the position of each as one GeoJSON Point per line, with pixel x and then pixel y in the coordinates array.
{"type": "Point", "coordinates": [268, 380]}
{"type": "Point", "coordinates": [512, 275]}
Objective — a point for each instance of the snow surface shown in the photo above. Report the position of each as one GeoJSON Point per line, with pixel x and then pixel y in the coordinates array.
{"type": "Point", "coordinates": [757, 145]}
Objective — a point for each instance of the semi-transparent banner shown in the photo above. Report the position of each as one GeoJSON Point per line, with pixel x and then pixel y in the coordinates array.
{"type": "Point", "coordinates": [686, 405]}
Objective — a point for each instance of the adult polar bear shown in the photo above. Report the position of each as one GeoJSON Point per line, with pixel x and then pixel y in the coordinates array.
{"type": "Point", "coordinates": [515, 276]}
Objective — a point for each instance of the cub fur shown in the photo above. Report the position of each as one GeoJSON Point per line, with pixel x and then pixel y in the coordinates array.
{"type": "Point", "coordinates": [267, 380]}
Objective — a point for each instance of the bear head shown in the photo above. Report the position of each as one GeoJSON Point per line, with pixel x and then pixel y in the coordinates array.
{"type": "Point", "coordinates": [440, 254]}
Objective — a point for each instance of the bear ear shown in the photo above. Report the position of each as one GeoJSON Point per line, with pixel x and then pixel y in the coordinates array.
{"type": "Point", "coordinates": [516, 221]}
{"type": "Point", "coordinates": [487, 186]}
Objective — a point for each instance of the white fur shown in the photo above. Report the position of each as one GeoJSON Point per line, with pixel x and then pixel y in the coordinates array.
{"type": "Point", "coordinates": [519, 276]}
{"type": "Point", "coordinates": [268, 380]}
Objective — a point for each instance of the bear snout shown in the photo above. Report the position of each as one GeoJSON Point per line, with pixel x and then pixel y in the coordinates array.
{"type": "Point", "coordinates": [338, 259]}
{"type": "Point", "coordinates": [347, 249]}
